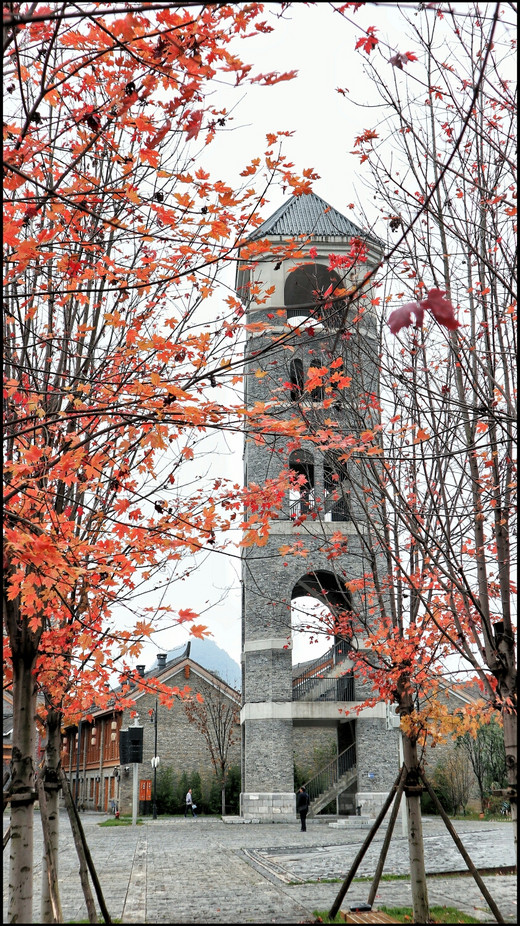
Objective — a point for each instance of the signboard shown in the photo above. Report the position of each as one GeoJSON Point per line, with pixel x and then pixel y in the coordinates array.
{"type": "Point", "coordinates": [145, 789]}
{"type": "Point", "coordinates": [131, 745]}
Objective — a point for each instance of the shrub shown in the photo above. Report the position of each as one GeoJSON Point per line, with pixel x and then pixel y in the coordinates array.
{"type": "Point", "coordinates": [233, 789]}
{"type": "Point", "coordinates": [166, 791]}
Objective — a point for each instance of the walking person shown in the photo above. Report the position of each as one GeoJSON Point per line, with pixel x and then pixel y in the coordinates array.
{"type": "Point", "coordinates": [189, 805]}
{"type": "Point", "coordinates": [302, 807]}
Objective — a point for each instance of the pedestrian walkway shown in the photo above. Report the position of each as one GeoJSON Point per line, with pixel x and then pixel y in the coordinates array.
{"type": "Point", "coordinates": [204, 871]}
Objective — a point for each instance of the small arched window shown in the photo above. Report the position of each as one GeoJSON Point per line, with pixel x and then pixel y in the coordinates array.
{"type": "Point", "coordinates": [296, 377]}
{"type": "Point", "coordinates": [336, 487]}
{"type": "Point", "coordinates": [301, 496]}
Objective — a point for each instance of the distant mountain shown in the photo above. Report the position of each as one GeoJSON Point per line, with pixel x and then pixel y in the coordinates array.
{"type": "Point", "coordinates": [212, 657]}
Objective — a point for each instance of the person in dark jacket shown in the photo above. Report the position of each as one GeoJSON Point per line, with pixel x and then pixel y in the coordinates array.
{"type": "Point", "coordinates": [302, 806]}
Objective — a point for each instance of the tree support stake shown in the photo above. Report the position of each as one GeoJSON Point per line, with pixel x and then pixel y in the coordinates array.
{"type": "Point", "coordinates": [50, 861]}
{"type": "Point", "coordinates": [364, 848]}
{"type": "Point", "coordinates": [386, 842]}
{"type": "Point", "coordinates": [449, 826]}
{"type": "Point", "coordinates": [84, 856]}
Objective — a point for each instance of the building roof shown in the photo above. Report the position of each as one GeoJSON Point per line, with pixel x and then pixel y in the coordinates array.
{"type": "Point", "coordinates": [310, 215]}
{"type": "Point", "coordinates": [161, 670]}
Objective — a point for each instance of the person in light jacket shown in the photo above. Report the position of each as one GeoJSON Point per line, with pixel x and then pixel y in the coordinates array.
{"type": "Point", "coordinates": [189, 805]}
{"type": "Point", "coordinates": [302, 807]}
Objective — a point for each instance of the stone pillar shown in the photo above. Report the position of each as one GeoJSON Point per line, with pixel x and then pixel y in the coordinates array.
{"type": "Point", "coordinates": [268, 766]}
{"type": "Point", "coordinates": [377, 752]}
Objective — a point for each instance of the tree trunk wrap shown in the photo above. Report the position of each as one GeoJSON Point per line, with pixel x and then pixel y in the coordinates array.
{"type": "Point", "coordinates": [419, 887]}
{"type": "Point", "coordinates": [51, 787]}
{"type": "Point", "coordinates": [23, 794]}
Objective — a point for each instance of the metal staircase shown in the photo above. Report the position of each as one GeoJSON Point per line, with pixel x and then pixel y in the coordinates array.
{"type": "Point", "coordinates": [331, 780]}
{"type": "Point", "coordinates": [324, 679]}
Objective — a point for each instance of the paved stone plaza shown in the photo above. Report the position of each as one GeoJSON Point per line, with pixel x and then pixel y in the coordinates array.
{"type": "Point", "coordinates": [206, 871]}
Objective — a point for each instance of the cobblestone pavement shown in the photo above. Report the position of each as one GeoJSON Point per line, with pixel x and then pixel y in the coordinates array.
{"type": "Point", "coordinates": [204, 871]}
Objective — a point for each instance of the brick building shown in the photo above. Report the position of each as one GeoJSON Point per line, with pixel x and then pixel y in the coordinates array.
{"type": "Point", "coordinates": [180, 745]}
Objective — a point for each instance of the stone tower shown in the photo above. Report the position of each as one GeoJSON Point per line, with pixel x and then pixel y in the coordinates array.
{"type": "Point", "coordinates": [280, 700]}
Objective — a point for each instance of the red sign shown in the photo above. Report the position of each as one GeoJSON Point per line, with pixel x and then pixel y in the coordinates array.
{"type": "Point", "coordinates": [145, 789]}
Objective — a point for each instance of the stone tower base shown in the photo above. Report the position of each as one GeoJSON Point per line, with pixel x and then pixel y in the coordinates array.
{"type": "Point", "coordinates": [268, 806]}
{"type": "Point", "coordinates": [371, 802]}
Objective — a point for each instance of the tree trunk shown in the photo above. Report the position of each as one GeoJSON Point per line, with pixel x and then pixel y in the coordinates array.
{"type": "Point", "coordinates": [415, 834]}
{"type": "Point", "coordinates": [51, 785]}
{"type": "Point", "coordinates": [223, 796]}
{"type": "Point", "coordinates": [22, 792]}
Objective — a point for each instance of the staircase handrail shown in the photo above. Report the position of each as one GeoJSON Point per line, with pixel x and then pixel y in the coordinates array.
{"type": "Point", "coordinates": [326, 688]}
{"type": "Point", "coordinates": [330, 774]}
{"type": "Point", "coordinates": [330, 656]}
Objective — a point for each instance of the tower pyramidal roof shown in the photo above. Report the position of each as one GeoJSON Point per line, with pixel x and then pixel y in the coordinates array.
{"type": "Point", "coordinates": [310, 215]}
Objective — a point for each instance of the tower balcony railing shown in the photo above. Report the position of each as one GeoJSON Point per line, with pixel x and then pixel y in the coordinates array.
{"type": "Point", "coordinates": [337, 511]}
{"type": "Point", "coordinates": [317, 672]}
{"type": "Point", "coordinates": [302, 505]}
{"type": "Point", "coordinates": [325, 689]}
{"type": "Point", "coordinates": [307, 504]}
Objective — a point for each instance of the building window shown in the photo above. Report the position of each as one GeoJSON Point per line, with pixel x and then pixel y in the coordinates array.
{"type": "Point", "coordinates": [336, 487]}
{"type": "Point", "coordinates": [296, 378]}
{"type": "Point", "coordinates": [301, 496]}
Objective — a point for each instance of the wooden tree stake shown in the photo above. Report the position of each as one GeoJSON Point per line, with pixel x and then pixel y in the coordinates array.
{"type": "Point", "coordinates": [364, 848]}
{"type": "Point", "coordinates": [388, 837]}
{"type": "Point", "coordinates": [449, 826]}
{"type": "Point", "coordinates": [52, 874]}
{"type": "Point", "coordinates": [85, 858]}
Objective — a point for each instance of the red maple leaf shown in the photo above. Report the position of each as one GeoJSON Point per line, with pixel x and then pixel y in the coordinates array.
{"type": "Point", "coordinates": [368, 42]}
{"type": "Point", "coordinates": [193, 124]}
{"type": "Point", "coordinates": [441, 309]}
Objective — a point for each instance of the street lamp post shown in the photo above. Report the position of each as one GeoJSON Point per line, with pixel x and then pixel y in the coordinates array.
{"type": "Point", "coordinates": [155, 762]}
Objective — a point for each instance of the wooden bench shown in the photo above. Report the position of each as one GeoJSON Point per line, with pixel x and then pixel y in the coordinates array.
{"type": "Point", "coordinates": [372, 916]}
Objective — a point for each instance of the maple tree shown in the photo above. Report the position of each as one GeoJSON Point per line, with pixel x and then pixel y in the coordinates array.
{"type": "Point", "coordinates": [428, 462]}
{"type": "Point", "coordinates": [113, 242]}
{"type": "Point", "coordinates": [448, 468]}
{"type": "Point", "coordinates": [217, 719]}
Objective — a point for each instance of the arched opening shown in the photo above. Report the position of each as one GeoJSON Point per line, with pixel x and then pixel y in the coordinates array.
{"type": "Point", "coordinates": [308, 292]}
{"type": "Point", "coordinates": [296, 378]}
{"type": "Point", "coordinates": [321, 612]}
{"type": "Point", "coordinates": [301, 493]}
{"type": "Point", "coordinates": [336, 487]}
{"type": "Point", "coordinates": [309, 621]}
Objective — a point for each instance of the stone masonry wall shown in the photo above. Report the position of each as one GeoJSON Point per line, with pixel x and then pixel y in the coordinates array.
{"type": "Point", "coordinates": [270, 757]}
{"type": "Point", "coordinates": [313, 748]}
{"type": "Point", "coordinates": [180, 746]}
{"type": "Point", "coordinates": [377, 755]}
